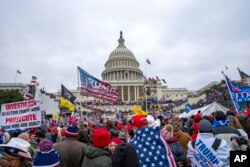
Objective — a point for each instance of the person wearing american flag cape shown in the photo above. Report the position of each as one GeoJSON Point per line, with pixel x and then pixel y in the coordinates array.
{"type": "Point", "coordinates": [151, 148]}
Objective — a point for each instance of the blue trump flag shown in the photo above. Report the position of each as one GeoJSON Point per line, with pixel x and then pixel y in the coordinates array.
{"type": "Point", "coordinates": [188, 108]}
{"type": "Point", "coordinates": [239, 94]}
{"type": "Point", "coordinates": [152, 149]}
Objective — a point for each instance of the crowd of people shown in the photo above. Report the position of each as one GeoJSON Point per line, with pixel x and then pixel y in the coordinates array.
{"type": "Point", "coordinates": [142, 141]}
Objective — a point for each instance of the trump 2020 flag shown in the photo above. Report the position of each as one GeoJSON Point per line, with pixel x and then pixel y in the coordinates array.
{"type": "Point", "coordinates": [91, 86]}
{"type": "Point", "coordinates": [188, 108]}
{"type": "Point", "coordinates": [67, 94]}
{"type": "Point", "coordinates": [151, 148]}
{"type": "Point", "coordinates": [239, 95]}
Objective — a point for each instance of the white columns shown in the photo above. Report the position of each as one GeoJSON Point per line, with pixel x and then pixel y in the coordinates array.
{"type": "Point", "coordinates": [122, 94]}
{"type": "Point", "coordinates": [135, 92]}
{"type": "Point", "coordinates": [128, 93]}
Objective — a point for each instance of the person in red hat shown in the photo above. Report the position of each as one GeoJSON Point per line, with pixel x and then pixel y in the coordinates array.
{"type": "Point", "coordinates": [139, 121]}
{"type": "Point", "coordinates": [98, 155]}
{"type": "Point", "coordinates": [54, 131]}
{"type": "Point", "coordinates": [114, 142]}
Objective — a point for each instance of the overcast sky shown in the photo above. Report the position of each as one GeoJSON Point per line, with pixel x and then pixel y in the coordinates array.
{"type": "Point", "coordinates": [189, 42]}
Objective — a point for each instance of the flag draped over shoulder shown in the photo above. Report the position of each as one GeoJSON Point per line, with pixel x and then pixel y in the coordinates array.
{"type": "Point", "coordinates": [66, 104]}
{"type": "Point", "coordinates": [188, 108]}
{"type": "Point", "coordinates": [239, 94]}
{"type": "Point", "coordinates": [67, 94]}
{"type": "Point", "coordinates": [91, 86]}
{"type": "Point", "coordinates": [152, 149]}
{"type": "Point", "coordinates": [245, 79]}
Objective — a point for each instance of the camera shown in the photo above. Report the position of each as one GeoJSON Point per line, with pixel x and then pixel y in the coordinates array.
{"type": "Point", "coordinates": [242, 142]}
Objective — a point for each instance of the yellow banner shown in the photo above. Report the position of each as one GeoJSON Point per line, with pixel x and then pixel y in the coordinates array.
{"type": "Point", "coordinates": [65, 103]}
{"type": "Point", "coordinates": [55, 116]}
{"type": "Point", "coordinates": [138, 111]}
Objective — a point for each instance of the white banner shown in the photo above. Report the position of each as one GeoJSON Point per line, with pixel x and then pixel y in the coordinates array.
{"type": "Point", "coordinates": [20, 115]}
{"type": "Point", "coordinates": [205, 156]}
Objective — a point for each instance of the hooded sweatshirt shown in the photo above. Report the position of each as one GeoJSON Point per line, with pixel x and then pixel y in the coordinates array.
{"type": "Point", "coordinates": [96, 157]}
{"type": "Point", "coordinates": [124, 156]}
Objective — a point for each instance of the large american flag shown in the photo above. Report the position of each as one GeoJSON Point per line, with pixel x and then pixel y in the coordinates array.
{"type": "Point", "coordinates": [232, 86]}
{"type": "Point", "coordinates": [152, 150]}
{"type": "Point", "coordinates": [91, 86]}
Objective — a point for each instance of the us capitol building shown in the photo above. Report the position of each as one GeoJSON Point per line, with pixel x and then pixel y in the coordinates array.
{"type": "Point", "coordinates": [122, 71]}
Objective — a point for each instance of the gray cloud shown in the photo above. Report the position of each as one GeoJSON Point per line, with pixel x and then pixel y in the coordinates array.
{"type": "Point", "coordinates": [188, 42]}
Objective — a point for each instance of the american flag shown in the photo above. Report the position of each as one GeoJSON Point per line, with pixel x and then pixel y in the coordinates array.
{"type": "Point", "coordinates": [33, 79]}
{"type": "Point", "coordinates": [19, 72]}
{"type": "Point", "coordinates": [28, 96]}
{"type": "Point", "coordinates": [29, 92]}
{"type": "Point", "coordinates": [151, 148]}
{"type": "Point", "coordinates": [148, 61]}
{"type": "Point", "coordinates": [91, 86]}
{"type": "Point", "coordinates": [158, 79]}
{"type": "Point", "coordinates": [235, 88]}
{"type": "Point", "coordinates": [145, 78]}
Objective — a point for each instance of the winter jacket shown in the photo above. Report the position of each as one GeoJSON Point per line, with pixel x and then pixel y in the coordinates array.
{"type": "Point", "coordinates": [176, 150]}
{"type": "Point", "coordinates": [124, 156]}
{"type": "Point", "coordinates": [222, 153]}
{"type": "Point", "coordinates": [225, 132]}
{"type": "Point", "coordinates": [96, 157]}
{"type": "Point", "coordinates": [71, 152]}
{"type": "Point", "coordinates": [183, 138]}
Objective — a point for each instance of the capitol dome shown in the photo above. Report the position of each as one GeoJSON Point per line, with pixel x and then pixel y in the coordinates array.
{"type": "Point", "coordinates": [122, 64]}
{"type": "Point", "coordinates": [122, 71]}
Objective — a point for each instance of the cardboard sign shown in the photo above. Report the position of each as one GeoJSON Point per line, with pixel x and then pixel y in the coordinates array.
{"type": "Point", "coordinates": [20, 115]}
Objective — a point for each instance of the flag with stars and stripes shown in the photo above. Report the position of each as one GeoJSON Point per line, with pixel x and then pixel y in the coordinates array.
{"type": "Point", "coordinates": [151, 148]}
{"type": "Point", "coordinates": [239, 94]}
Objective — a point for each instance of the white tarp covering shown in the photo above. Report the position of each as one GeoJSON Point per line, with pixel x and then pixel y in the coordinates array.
{"type": "Point", "coordinates": [206, 110]}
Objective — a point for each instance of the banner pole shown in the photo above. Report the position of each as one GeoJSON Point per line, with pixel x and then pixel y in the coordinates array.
{"type": "Point", "coordinates": [230, 92]}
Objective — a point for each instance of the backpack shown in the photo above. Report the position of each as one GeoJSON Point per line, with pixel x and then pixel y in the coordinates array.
{"type": "Point", "coordinates": [215, 145]}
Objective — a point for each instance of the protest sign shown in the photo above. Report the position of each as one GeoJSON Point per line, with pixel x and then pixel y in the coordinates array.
{"type": "Point", "coordinates": [20, 115]}
{"type": "Point", "coordinates": [205, 156]}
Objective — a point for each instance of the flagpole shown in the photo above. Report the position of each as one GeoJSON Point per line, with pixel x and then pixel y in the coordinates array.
{"type": "Point", "coordinates": [230, 92]}
{"type": "Point", "coordinates": [227, 71]}
{"type": "Point", "coordinates": [145, 93]}
{"type": "Point", "coordinates": [78, 77]}
{"type": "Point", "coordinates": [15, 76]}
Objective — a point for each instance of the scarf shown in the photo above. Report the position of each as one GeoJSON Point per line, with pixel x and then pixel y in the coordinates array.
{"type": "Point", "coordinates": [224, 122]}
